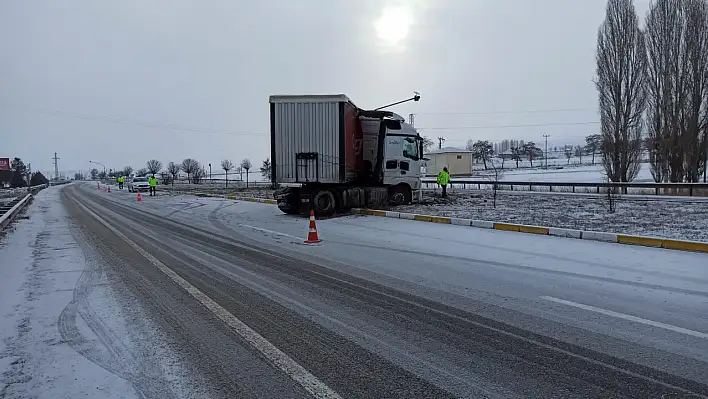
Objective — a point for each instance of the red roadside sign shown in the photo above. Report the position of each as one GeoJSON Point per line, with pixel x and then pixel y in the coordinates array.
{"type": "Point", "coordinates": [4, 163]}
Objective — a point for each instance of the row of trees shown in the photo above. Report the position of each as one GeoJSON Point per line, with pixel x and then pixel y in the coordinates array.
{"type": "Point", "coordinates": [194, 170]}
{"type": "Point", "coordinates": [591, 148]}
{"type": "Point", "coordinates": [19, 175]}
{"type": "Point", "coordinates": [483, 151]}
{"type": "Point", "coordinates": [653, 89]}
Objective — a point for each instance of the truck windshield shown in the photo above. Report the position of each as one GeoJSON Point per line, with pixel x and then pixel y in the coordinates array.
{"type": "Point", "coordinates": [410, 149]}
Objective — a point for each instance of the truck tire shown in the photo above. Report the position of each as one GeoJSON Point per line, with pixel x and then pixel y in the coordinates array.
{"type": "Point", "coordinates": [400, 195]}
{"type": "Point", "coordinates": [288, 200]}
{"type": "Point", "coordinates": [324, 202]}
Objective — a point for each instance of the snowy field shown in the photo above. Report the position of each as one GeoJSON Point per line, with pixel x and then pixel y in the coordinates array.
{"type": "Point", "coordinates": [679, 218]}
{"type": "Point", "coordinates": [258, 191]}
{"type": "Point", "coordinates": [573, 173]}
{"type": "Point", "coordinates": [569, 173]}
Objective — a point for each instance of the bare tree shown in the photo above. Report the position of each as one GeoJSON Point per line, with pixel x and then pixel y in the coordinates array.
{"type": "Point", "coordinates": [227, 165]}
{"type": "Point", "coordinates": [531, 150]}
{"type": "Point", "coordinates": [665, 83]}
{"type": "Point", "coordinates": [173, 169]}
{"type": "Point", "coordinates": [579, 152]}
{"type": "Point", "coordinates": [127, 171]}
{"type": "Point", "coordinates": [481, 150]}
{"type": "Point", "coordinates": [266, 169]}
{"type": "Point", "coordinates": [568, 151]}
{"type": "Point", "coordinates": [199, 173]}
{"type": "Point", "coordinates": [428, 144]}
{"type": "Point", "coordinates": [153, 166]}
{"type": "Point", "coordinates": [696, 111]}
{"type": "Point", "coordinates": [592, 145]}
{"type": "Point", "coordinates": [677, 47]}
{"type": "Point", "coordinates": [141, 172]}
{"type": "Point", "coordinates": [621, 72]}
{"type": "Point", "coordinates": [611, 195]}
{"type": "Point", "coordinates": [166, 178]}
{"type": "Point", "coordinates": [496, 175]}
{"type": "Point", "coordinates": [189, 166]}
{"type": "Point", "coordinates": [516, 153]}
{"type": "Point", "coordinates": [246, 165]}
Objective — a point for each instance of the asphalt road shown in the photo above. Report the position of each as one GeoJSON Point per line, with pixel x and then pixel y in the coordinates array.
{"type": "Point", "coordinates": [394, 308]}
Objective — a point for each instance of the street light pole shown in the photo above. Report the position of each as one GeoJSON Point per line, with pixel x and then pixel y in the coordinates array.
{"type": "Point", "coordinates": [546, 136]}
{"type": "Point", "coordinates": [98, 163]}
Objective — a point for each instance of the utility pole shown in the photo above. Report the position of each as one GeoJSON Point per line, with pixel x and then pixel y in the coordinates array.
{"type": "Point", "coordinates": [56, 167]}
{"type": "Point", "coordinates": [440, 141]}
{"type": "Point", "coordinates": [546, 136]}
{"type": "Point", "coordinates": [705, 149]}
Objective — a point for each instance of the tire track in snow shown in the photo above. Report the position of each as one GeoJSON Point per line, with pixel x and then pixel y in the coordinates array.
{"type": "Point", "coordinates": [112, 354]}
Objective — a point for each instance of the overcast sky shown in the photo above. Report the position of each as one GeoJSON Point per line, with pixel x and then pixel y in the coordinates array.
{"type": "Point", "coordinates": [121, 82]}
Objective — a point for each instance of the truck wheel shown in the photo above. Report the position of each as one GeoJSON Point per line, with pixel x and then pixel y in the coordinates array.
{"type": "Point", "coordinates": [288, 200]}
{"type": "Point", "coordinates": [324, 202]}
{"type": "Point", "coordinates": [400, 195]}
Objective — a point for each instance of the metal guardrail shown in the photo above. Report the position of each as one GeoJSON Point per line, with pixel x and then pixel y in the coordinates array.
{"type": "Point", "coordinates": [10, 214]}
{"type": "Point", "coordinates": [676, 189]}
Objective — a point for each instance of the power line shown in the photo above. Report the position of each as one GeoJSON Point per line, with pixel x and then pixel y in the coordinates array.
{"type": "Point", "coordinates": [510, 126]}
{"type": "Point", "coordinates": [537, 111]}
{"type": "Point", "coordinates": [164, 126]}
{"type": "Point", "coordinates": [130, 121]}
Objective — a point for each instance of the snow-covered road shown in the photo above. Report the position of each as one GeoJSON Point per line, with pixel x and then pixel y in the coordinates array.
{"type": "Point", "coordinates": [69, 329]}
{"type": "Point", "coordinates": [381, 308]}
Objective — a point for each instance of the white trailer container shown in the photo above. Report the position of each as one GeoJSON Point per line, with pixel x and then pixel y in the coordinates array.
{"type": "Point", "coordinates": [310, 139]}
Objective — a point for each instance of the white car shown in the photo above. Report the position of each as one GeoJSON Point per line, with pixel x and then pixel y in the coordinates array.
{"type": "Point", "coordinates": [138, 184]}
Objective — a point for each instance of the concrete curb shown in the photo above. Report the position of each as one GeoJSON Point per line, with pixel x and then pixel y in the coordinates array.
{"type": "Point", "coordinates": [14, 211]}
{"type": "Point", "coordinates": [654, 242]}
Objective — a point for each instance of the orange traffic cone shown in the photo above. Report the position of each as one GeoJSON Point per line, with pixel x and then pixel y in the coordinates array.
{"type": "Point", "coordinates": [139, 197]}
{"type": "Point", "coordinates": [109, 189]}
{"type": "Point", "coordinates": [312, 236]}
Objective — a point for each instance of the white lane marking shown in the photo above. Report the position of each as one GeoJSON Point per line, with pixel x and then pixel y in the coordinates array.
{"type": "Point", "coordinates": [635, 319]}
{"type": "Point", "coordinates": [268, 231]}
{"type": "Point", "coordinates": [278, 358]}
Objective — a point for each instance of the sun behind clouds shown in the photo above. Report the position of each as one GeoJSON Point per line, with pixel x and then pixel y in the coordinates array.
{"type": "Point", "coordinates": [393, 26]}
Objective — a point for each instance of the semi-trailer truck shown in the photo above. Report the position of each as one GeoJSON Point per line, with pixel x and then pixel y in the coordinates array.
{"type": "Point", "coordinates": [327, 154]}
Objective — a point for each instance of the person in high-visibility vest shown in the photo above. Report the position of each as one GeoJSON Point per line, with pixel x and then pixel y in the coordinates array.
{"type": "Point", "coordinates": [152, 180]}
{"type": "Point", "coordinates": [121, 180]}
{"type": "Point", "coordinates": [443, 181]}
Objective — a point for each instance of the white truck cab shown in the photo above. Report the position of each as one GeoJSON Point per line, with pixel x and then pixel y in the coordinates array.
{"type": "Point", "coordinates": [402, 154]}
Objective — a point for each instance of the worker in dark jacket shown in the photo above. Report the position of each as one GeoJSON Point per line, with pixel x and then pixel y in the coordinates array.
{"type": "Point", "coordinates": [443, 181]}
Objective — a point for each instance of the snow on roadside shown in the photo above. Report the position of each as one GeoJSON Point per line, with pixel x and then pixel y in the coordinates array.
{"type": "Point", "coordinates": [648, 217]}
{"type": "Point", "coordinates": [64, 332]}
{"type": "Point", "coordinates": [257, 191]}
